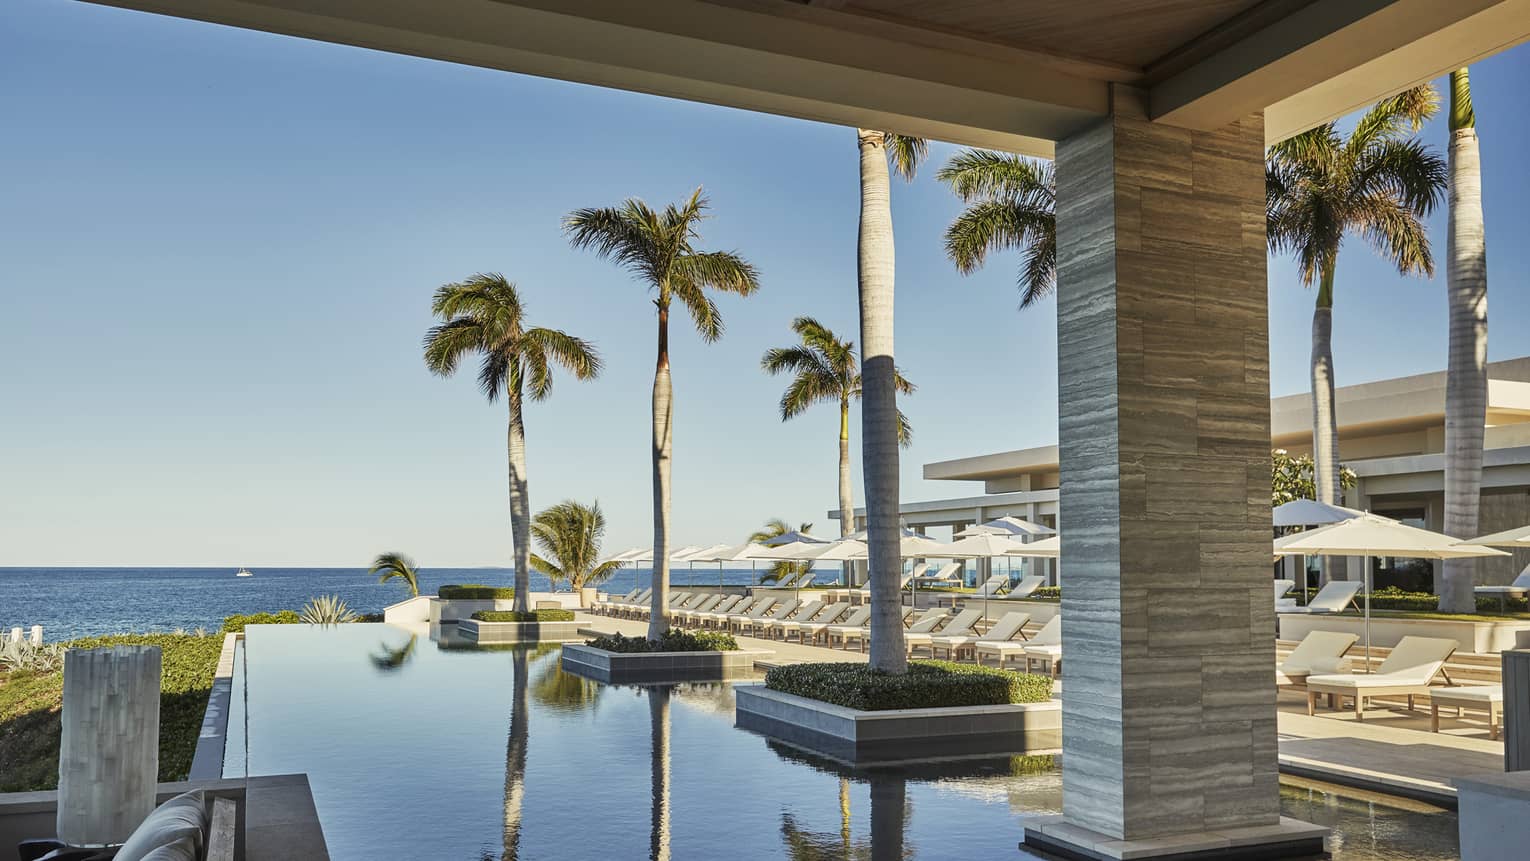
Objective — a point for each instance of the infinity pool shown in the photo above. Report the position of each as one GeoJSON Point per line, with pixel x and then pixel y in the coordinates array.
{"type": "Point", "coordinates": [417, 750]}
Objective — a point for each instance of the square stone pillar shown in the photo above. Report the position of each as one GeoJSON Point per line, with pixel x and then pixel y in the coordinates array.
{"type": "Point", "coordinates": [1164, 412]}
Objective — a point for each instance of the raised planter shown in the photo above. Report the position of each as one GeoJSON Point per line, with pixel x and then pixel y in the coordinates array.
{"type": "Point", "coordinates": [657, 667]}
{"type": "Point", "coordinates": [448, 610]}
{"type": "Point", "coordinates": [518, 632]}
{"type": "Point", "coordinates": [896, 735]}
{"type": "Point", "coordinates": [1485, 637]}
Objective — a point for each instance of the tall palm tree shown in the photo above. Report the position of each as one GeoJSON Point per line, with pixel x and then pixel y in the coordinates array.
{"type": "Point", "coordinates": [1379, 183]}
{"type": "Point", "coordinates": [394, 564]}
{"type": "Point", "coordinates": [570, 533]}
{"type": "Point", "coordinates": [1466, 370]}
{"type": "Point", "coordinates": [879, 374]}
{"type": "Point", "coordinates": [824, 370]}
{"type": "Point", "coordinates": [1011, 205]}
{"type": "Point", "coordinates": [775, 528]}
{"type": "Point", "coordinates": [484, 316]}
{"type": "Point", "coordinates": [658, 248]}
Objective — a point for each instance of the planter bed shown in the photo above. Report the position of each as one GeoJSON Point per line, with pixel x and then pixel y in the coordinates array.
{"type": "Point", "coordinates": [1488, 636]}
{"type": "Point", "coordinates": [519, 632]}
{"type": "Point", "coordinates": [894, 735]}
{"type": "Point", "coordinates": [658, 667]}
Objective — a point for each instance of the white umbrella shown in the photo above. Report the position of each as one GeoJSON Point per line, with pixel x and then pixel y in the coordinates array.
{"type": "Point", "coordinates": [628, 555]}
{"type": "Point", "coordinates": [794, 537]}
{"type": "Point", "coordinates": [1046, 548]}
{"type": "Point", "coordinates": [1372, 535]}
{"type": "Point", "coordinates": [984, 545]}
{"type": "Point", "coordinates": [1310, 512]}
{"type": "Point", "coordinates": [1508, 538]}
{"type": "Point", "coordinates": [1007, 526]}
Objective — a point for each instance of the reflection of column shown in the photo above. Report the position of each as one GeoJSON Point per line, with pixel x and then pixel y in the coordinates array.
{"type": "Point", "coordinates": [658, 716]}
{"type": "Point", "coordinates": [515, 758]}
{"type": "Point", "coordinates": [888, 817]}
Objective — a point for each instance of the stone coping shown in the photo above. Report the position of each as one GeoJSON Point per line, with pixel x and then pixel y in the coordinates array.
{"type": "Point", "coordinates": [520, 632]}
{"type": "Point", "coordinates": [899, 735]}
{"type": "Point", "coordinates": [659, 667]}
{"type": "Point", "coordinates": [207, 761]}
{"type": "Point", "coordinates": [1510, 784]}
{"type": "Point", "coordinates": [1289, 838]}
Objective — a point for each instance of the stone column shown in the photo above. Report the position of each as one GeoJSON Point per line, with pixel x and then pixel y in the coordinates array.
{"type": "Point", "coordinates": [1164, 417]}
{"type": "Point", "coordinates": [108, 763]}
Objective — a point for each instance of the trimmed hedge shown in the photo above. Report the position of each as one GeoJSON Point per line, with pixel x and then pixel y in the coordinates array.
{"type": "Point", "coordinates": [235, 624]}
{"type": "Point", "coordinates": [474, 592]}
{"type": "Point", "coordinates": [927, 684]}
{"type": "Point", "coordinates": [674, 640]}
{"type": "Point", "coordinates": [1393, 598]}
{"type": "Point", "coordinates": [532, 616]}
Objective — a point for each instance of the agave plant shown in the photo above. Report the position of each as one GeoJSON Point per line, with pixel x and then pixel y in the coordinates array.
{"type": "Point", "coordinates": [326, 610]}
{"type": "Point", "coordinates": [22, 655]}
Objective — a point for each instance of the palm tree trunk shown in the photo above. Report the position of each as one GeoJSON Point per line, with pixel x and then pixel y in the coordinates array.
{"type": "Point", "coordinates": [515, 759]}
{"type": "Point", "coordinates": [846, 493]}
{"type": "Point", "coordinates": [1325, 422]}
{"type": "Point", "coordinates": [1466, 371]}
{"type": "Point", "coordinates": [879, 408]}
{"type": "Point", "coordinates": [520, 506]}
{"type": "Point", "coordinates": [663, 443]}
{"type": "Point", "coordinates": [658, 735]}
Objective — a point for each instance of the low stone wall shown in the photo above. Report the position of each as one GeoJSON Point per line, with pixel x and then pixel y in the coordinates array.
{"type": "Point", "coordinates": [207, 761]}
{"type": "Point", "coordinates": [659, 667]}
{"type": "Point", "coordinates": [897, 735]}
{"type": "Point", "coordinates": [447, 610]}
{"type": "Point", "coordinates": [519, 632]}
{"type": "Point", "coordinates": [414, 610]}
{"type": "Point", "coordinates": [1482, 638]}
{"type": "Point", "coordinates": [1493, 809]}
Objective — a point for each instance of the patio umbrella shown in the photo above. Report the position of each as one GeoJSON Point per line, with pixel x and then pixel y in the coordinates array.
{"type": "Point", "coordinates": [701, 554]}
{"type": "Point", "coordinates": [794, 537]}
{"type": "Point", "coordinates": [1519, 537]}
{"type": "Point", "coordinates": [1007, 525]}
{"type": "Point", "coordinates": [1309, 512]}
{"type": "Point", "coordinates": [749, 550]}
{"type": "Point", "coordinates": [1370, 535]}
{"type": "Point", "coordinates": [984, 545]}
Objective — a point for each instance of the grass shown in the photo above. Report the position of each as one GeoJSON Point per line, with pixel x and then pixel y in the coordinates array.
{"type": "Point", "coordinates": [30, 703]}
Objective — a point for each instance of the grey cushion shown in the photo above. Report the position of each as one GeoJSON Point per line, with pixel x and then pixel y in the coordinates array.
{"type": "Point", "coordinates": [184, 816]}
{"type": "Point", "coordinates": [184, 849]}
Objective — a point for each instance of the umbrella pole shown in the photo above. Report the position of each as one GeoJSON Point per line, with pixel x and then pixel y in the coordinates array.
{"type": "Point", "coordinates": [1367, 575]}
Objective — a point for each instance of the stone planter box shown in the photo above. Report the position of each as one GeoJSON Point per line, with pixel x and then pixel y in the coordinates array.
{"type": "Point", "coordinates": [658, 667]}
{"type": "Point", "coordinates": [897, 735]}
{"type": "Point", "coordinates": [448, 610]}
{"type": "Point", "coordinates": [1482, 638]}
{"type": "Point", "coordinates": [518, 632]}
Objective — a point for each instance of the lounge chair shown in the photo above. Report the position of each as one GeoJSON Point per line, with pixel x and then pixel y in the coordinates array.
{"type": "Point", "coordinates": [603, 605]}
{"type": "Point", "coordinates": [1336, 597]}
{"type": "Point", "coordinates": [806, 580]}
{"type": "Point", "coordinates": [786, 581]}
{"type": "Point", "coordinates": [1484, 698]}
{"type": "Point", "coordinates": [1045, 648]}
{"type": "Point", "coordinates": [625, 607]}
{"type": "Point", "coordinates": [957, 625]}
{"type": "Point", "coordinates": [1518, 589]}
{"type": "Point", "coordinates": [782, 610]}
{"type": "Point", "coordinates": [804, 613]}
{"type": "Point", "coordinates": [991, 586]}
{"type": "Point", "coordinates": [1025, 588]}
{"type": "Point", "coordinates": [826, 616]}
{"type": "Point", "coordinates": [1282, 587]}
{"type": "Point", "coordinates": [692, 615]}
{"type": "Point", "coordinates": [744, 607]}
{"type": "Point", "coordinates": [1009, 626]}
{"type": "Point", "coordinates": [739, 621]}
{"type": "Point", "coordinates": [862, 632]}
{"type": "Point", "coordinates": [864, 593]}
{"type": "Point", "coordinates": [810, 631]}
{"type": "Point", "coordinates": [707, 603]}
{"type": "Point", "coordinates": [1319, 653]}
{"type": "Point", "coordinates": [946, 576]}
{"type": "Point", "coordinates": [1407, 671]}
{"type": "Point", "coordinates": [732, 604]}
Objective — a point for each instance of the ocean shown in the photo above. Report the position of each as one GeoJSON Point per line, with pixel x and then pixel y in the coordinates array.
{"type": "Point", "coordinates": [82, 602]}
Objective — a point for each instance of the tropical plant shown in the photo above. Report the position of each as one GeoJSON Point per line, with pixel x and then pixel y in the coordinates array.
{"type": "Point", "coordinates": [1466, 369]}
{"type": "Point", "coordinates": [1379, 183]}
{"type": "Point", "coordinates": [1011, 205]}
{"type": "Point", "coordinates": [823, 369]}
{"type": "Point", "coordinates": [658, 249]}
{"type": "Point", "coordinates": [775, 528]}
{"type": "Point", "coordinates": [326, 610]}
{"type": "Point", "coordinates": [396, 565]}
{"type": "Point", "coordinates": [21, 655]}
{"type": "Point", "coordinates": [485, 316]}
{"type": "Point", "coordinates": [875, 264]}
{"type": "Point", "coordinates": [570, 534]}
{"type": "Point", "coordinates": [1291, 477]}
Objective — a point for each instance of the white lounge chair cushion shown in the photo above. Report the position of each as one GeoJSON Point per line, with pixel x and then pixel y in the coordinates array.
{"type": "Point", "coordinates": [1413, 661]}
{"type": "Point", "coordinates": [1318, 652]}
{"type": "Point", "coordinates": [1483, 694]}
{"type": "Point", "coordinates": [1046, 651]}
{"type": "Point", "coordinates": [182, 817]}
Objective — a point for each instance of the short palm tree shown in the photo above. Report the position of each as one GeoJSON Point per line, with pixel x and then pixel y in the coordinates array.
{"type": "Point", "coordinates": [484, 316]}
{"type": "Point", "coordinates": [1466, 370]}
{"type": "Point", "coordinates": [1011, 205]}
{"type": "Point", "coordinates": [658, 248]}
{"type": "Point", "coordinates": [879, 374]}
{"type": "Point", "coordinates": [824, 369]}
{"type": "Point", "coordinates": [775, 528]}
{"type": "Point", "coordinates": [570, 534]}
{"type": "Point", "coordinates": [1379, 183]}
{"type": "Point", "coordinates": [396, 565]}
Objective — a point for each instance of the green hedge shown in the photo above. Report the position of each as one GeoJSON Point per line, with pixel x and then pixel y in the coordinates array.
{"type": "Point", "coordinates": [927, 684]}
{"type": "Point", "coordinates": [235, 624]}
{"type": "Point", "coordinates": [674, 640]}
{"type": "Point", "coordinates": [1393, 598]}
{"type": "Point", "coordinates": [532, 616]}
{"type": "Point", "coordinates": [474, 592]}
{"type": "Point", "coordinates": [30, 703]}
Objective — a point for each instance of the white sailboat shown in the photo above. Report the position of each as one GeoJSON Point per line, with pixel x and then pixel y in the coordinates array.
{"type": "Point", "coordinates": [243, 572]}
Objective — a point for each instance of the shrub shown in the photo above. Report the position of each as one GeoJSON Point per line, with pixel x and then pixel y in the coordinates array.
{"type": "Point", "coordinates": [532, 616]}
{"type": "Point", "coordinates": [927, 684]}
{"type": "Point", "coordinates": [1048, 593]}
{"type": "Point", "coordinates": [674, 640]}
{"type": "Point", "coordinates": [370, 617]}
{"type": "Point", "coordinates": [22, 655]}
{"type": "Point", "coordinates": [475, 591]}
{"type": "Point", "coordinates": [236, 623]}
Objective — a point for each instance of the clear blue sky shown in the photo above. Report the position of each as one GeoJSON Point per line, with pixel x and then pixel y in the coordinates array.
{"type": "Point", "coordinates": [217, 249]}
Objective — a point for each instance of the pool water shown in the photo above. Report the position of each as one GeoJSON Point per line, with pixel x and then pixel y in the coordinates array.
{"type": "Point", "coordinates": [418, 749]}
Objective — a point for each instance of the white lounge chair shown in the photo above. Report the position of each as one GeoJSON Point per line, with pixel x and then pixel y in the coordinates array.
{"type": "Point", "coordinates": [1025, 588]}
{"type": "Point", "coordinates": [684, 614]}
{"type": "Point", "coordinates": [861, 631]}
{"type": "Point", "coordinates": [782, 610]}
{"type": "Point", "coordinates": [603, 605]}
{"type": "Point", "coordinates": [1407, 671]}
{"type": "Point", "coordinates": [1518, 589]}
{"type": "Point", "coordinates": [739, 621]}
{"type": "Point", "coordinates": [956, 625]}
{"type": "Point", "coordinates": [772, 626]}
{"type": "Point", "coordinates": [625, 608]}
{"type": "Point", "coordinates": [1319, 653]}
{"type": "Point", "coordinates": [719, 615]}
{"type": "Point", "coordinates": [1046, 647]}
{"type": "Point", "coordinates": [826, 616]}
{"type": "Point", "coordinates": [991, 586]}
{"type": "Point", "coordinates": [722, 603]}
{"type": "Point", "coordinates": [1336, 597]}
{"type": "Point", "coordinates": [1282, 587]}
{"type": "Point", "coordinates": [946, 576]}
{"type": "Point", "coordinates": [1484, 698]}
{"type": "Point", "coordinates": [811, 631]}
{"type": "Point", "coordinates": [1009, 626]}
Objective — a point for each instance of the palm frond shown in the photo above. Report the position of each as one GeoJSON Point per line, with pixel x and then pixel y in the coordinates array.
{"type": "Point", "coordinates": [1462, 116]}
{"type": "Point", "coordinates": [570, 533]}
{"type": "Point", "coordinates": [704, 313]}
{"type": "Point", "coordinates": [446, 344]}
{"type": "Point", "coordinates": [807, 389]}
{"type": "Point", "coordinates": [1395, 116]}
{"type": "Point", "coordinates": [905, 152]}
{"type": "Point", "coordinates": [578, 356]}
{"type": "Point", "coordinates": [905, 430]}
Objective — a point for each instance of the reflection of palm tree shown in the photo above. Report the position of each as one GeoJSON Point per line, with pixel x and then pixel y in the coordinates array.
{"type": "Point", "coordinates": [889, 816]}
{"type": "Point", "coordinates": [889, 820]}
{"type": "Point", "coordinates": [392, 659]}
{"type": "Point", "coordinates": [515, 758]}
{"type": "Point", "coordinates": [559, 690]}
{"type": "Point", "coordinates": [658, 717]}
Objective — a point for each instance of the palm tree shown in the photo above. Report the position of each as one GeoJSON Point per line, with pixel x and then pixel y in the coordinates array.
{"type": "Point", "coordinates": [570, 533]}
{"type": "Point", "coordinates": [658, 248]}
{"type": "Point", "coordinates": [484, 315]}
{"type": "Point", "coordinates": [879, 373]}
{"type": "Point", "coordinates": [775, 528]}
{"type": "Point", "coordinates": [515, 756]}
{"type": "Point", "coordinates": [1378, 183]}
{"type": "Point", "coordinates": [394, 564]}
{"type": "Point", "coordinates": [1466, 370]}
{"type": "Point", "coordinates": [824, 369]}
{"type": "Point", "coordinates": [1011, 204]}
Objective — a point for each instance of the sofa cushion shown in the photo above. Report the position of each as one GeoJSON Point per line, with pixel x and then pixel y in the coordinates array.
{"type": "Point", "coordinates": [184, 849]}
{"type": "Point", "coordinates": [184, 816]}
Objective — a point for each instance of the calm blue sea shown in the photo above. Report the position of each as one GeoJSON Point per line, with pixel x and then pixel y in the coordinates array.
{"type": "Point", "coordinates": [79, 602]}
